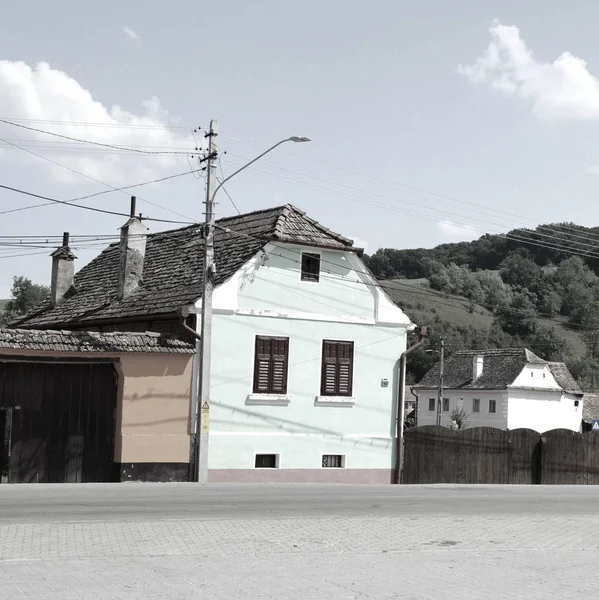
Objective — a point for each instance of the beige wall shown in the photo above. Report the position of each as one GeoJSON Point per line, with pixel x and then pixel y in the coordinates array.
{"type": "Point", "coordinates": [152, 424]}
{"type": "Point", "coordinates": [153, 411]}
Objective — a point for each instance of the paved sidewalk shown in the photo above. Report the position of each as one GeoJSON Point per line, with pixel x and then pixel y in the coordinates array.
{"type": "Point", "coordinates": [408, 556]}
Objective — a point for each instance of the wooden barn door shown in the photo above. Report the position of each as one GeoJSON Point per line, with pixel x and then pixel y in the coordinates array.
{"type": "Point", "coordinates": [61, 421]}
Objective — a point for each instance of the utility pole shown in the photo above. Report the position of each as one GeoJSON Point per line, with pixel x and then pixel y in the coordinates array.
{"type": "Point", "coordinates": [441, 373]}
{"type": "Point", "coordinates": [202, 436]}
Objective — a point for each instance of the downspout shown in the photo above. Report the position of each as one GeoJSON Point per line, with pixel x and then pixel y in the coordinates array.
{"type": "Point", "coordinates": [194, 405]}
{"type": "Point", "coordinates": [400, 412]}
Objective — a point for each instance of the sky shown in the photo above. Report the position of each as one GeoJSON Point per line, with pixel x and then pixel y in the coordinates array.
{"type": "Point", "coordinates": [430, 121]}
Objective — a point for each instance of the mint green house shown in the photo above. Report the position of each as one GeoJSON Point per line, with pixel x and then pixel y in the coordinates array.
{"type": "Point", "coordinates": [306, 350]}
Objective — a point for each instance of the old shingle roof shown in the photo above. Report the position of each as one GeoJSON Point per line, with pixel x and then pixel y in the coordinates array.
{"type": "Point", "coordinates": [88, 341]}
{"type": "Point", "coordinates": [590, 407]}
{"type": "Point", "coordinates": [500, 369]}
{"type": "Point", "coordinates": [173, 267]}
{"type": "Point", "coordinates": [564, 378]}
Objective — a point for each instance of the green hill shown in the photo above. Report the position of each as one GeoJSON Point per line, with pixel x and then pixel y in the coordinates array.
{"type": "Point", "coordinates": [425, 305]}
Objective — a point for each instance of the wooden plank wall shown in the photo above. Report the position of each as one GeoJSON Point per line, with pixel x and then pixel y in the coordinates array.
{"type": "Point", "coordinates": [570, 458]}
{"type": "Point", "coordinates": [436, 454]}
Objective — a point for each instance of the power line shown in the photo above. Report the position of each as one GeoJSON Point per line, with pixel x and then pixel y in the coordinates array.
{"type": "Point", "coordinates": [409, 187]}
{"type": "Point", "coordinates": [452, 214]}
{"type": "Point", "coordinates": [378, 284]}
{"type": "Point", "coordinates": [224, 189]}
{"type": "Point", "coordinates": [96, 124]}
{"type": "Point", "coordinates": [566, 249]}
{"type": "Point", "coordinates": [125, 187]}
{"type": "Point", "coordinates": [93, 178]}
{"type": "Point", "coordinates": [81, 141]}
{"type": "Point", "coordinates": [69, 203]}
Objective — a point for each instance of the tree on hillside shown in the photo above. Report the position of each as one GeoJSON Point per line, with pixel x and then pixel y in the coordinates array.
{"type": "Point", "coordinates": [496, 292]}
{"type": "Point", "coordinates": [25, 295]}
{"type": "Point", "coordinates": [520, 317]}
{"type": "Point", "coordinates": [519, 270]}
{"type": "Point", "coordinates": [574, 297]}
{"type": "Point", "coordinates": [547, 343]}
{"type": "Point", "coordinates": [574, 270]}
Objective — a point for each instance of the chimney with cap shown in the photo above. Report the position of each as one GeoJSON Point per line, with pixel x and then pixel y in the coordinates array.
{"type": "Point", "coordinates": [132, 252]}
{"type": "Point", "coordinates": [63, 270]}
{"type": "Point", "coordinates": [478, 366]}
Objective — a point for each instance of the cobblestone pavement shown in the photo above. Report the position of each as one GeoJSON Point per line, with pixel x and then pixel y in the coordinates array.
{"type": "Point", "coordinates": [408, 556]}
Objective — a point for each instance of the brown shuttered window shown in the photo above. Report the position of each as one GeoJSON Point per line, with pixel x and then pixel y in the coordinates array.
{"type": "Point", "coordinates": [270, 365]}
{"type": "Point", "coordinates": [337, 368]}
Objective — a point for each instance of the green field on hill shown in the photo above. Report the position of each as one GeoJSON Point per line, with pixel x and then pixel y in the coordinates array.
{"type": "Point", "coordinates": [423, 304]}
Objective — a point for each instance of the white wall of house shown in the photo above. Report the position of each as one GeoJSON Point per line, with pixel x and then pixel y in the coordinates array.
{"type": "Point", "coordinates": [465, 399]}
{"type": "Point", "coordinates": [268, 298]}
{"type": "Point", "coordinates": [536, 401]}
{"type": "Point", "coordinates": [543, 411]}
{"type": "Point", "coordinates": [536, 376]}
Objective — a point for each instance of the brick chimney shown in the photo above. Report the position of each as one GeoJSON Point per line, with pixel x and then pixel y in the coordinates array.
{"type": "Point", "coordinates": [132, 252]}
{"type": "Point", "coordinates": [63, 270]}
{"type": "Point", "coordinates": [477, 367]}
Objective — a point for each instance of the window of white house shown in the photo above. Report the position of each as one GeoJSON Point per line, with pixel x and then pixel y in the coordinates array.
{"type": "Point", "coordinates": [310, 266]}
{"type": "Point", "coordinates": [476, 405]}
{"type": "Point", "coordinates": [333, 461]}
{"type": "Point", "coordinates": [492, 406]}
{"type": "Point", "coordinates": [431, 404]}
{"type": "Point", "coordinates": [271, 363]}
{"type": "Point", "coordinates": [445, 404]}
{"type": "Point", "coordinates": [267, 461]}
{"type": "Point", "coordinates": [337, 370]}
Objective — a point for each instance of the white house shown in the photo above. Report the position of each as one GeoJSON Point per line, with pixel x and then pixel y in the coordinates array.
{"type": "Point", "coordinates": [505, 388]}
{"type": "Point", "coordinates": [305, 343]}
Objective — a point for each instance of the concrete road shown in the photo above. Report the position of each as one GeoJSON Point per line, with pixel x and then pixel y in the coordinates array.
{"type": "Point", "coordinates": [179, 541]}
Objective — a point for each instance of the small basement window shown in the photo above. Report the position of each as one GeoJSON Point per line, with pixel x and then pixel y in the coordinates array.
{"type": "Point", "coordinates": [333, 461]}
{"type": "Point", "coordinates": [267, 461]}
{"type": "Point", "coordinates": [310, 267]}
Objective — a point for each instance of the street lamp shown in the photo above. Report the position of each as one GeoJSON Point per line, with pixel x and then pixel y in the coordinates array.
{"type": "Point", "coordinates": [202, 404]}
{"type": "Point", "coordinates": [294, 138]}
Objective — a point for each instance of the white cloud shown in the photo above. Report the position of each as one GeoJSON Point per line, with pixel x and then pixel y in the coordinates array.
{"type": "Point", "coordinates": [131, 34]}
{"type": "Point", "coordinates": [45, 96]}
{"type": "Point", "coordinates": [458, 230]}
{"type": "Point", "coordinates": [358, 243]}
{"type": "Point", "coordinates": [562, 89]}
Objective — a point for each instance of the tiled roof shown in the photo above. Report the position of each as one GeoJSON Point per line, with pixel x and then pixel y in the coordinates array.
{"type": "Point", "coordinates": [173, 267]}
{"type": "Point", "coordinates": [590, 407]}
{"type": "Point", "coordinates": [564, 378]}
{"type": "Point", "coordinates": [500, 369]}
{"type": "Point", "coordinates": [88, 341]}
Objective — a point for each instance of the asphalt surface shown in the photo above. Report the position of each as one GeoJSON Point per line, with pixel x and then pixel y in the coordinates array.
{"type": "Point", "coordinates": [142, 502]}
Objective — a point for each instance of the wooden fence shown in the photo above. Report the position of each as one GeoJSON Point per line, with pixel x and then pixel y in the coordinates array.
{"type": "Point", "coordinates": [570, 458]}
{"type": "Point", "coordinates": [434, 454]}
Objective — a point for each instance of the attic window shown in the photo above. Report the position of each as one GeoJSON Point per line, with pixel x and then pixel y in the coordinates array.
{"type": "Point", "coordinates": [310, 267]}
